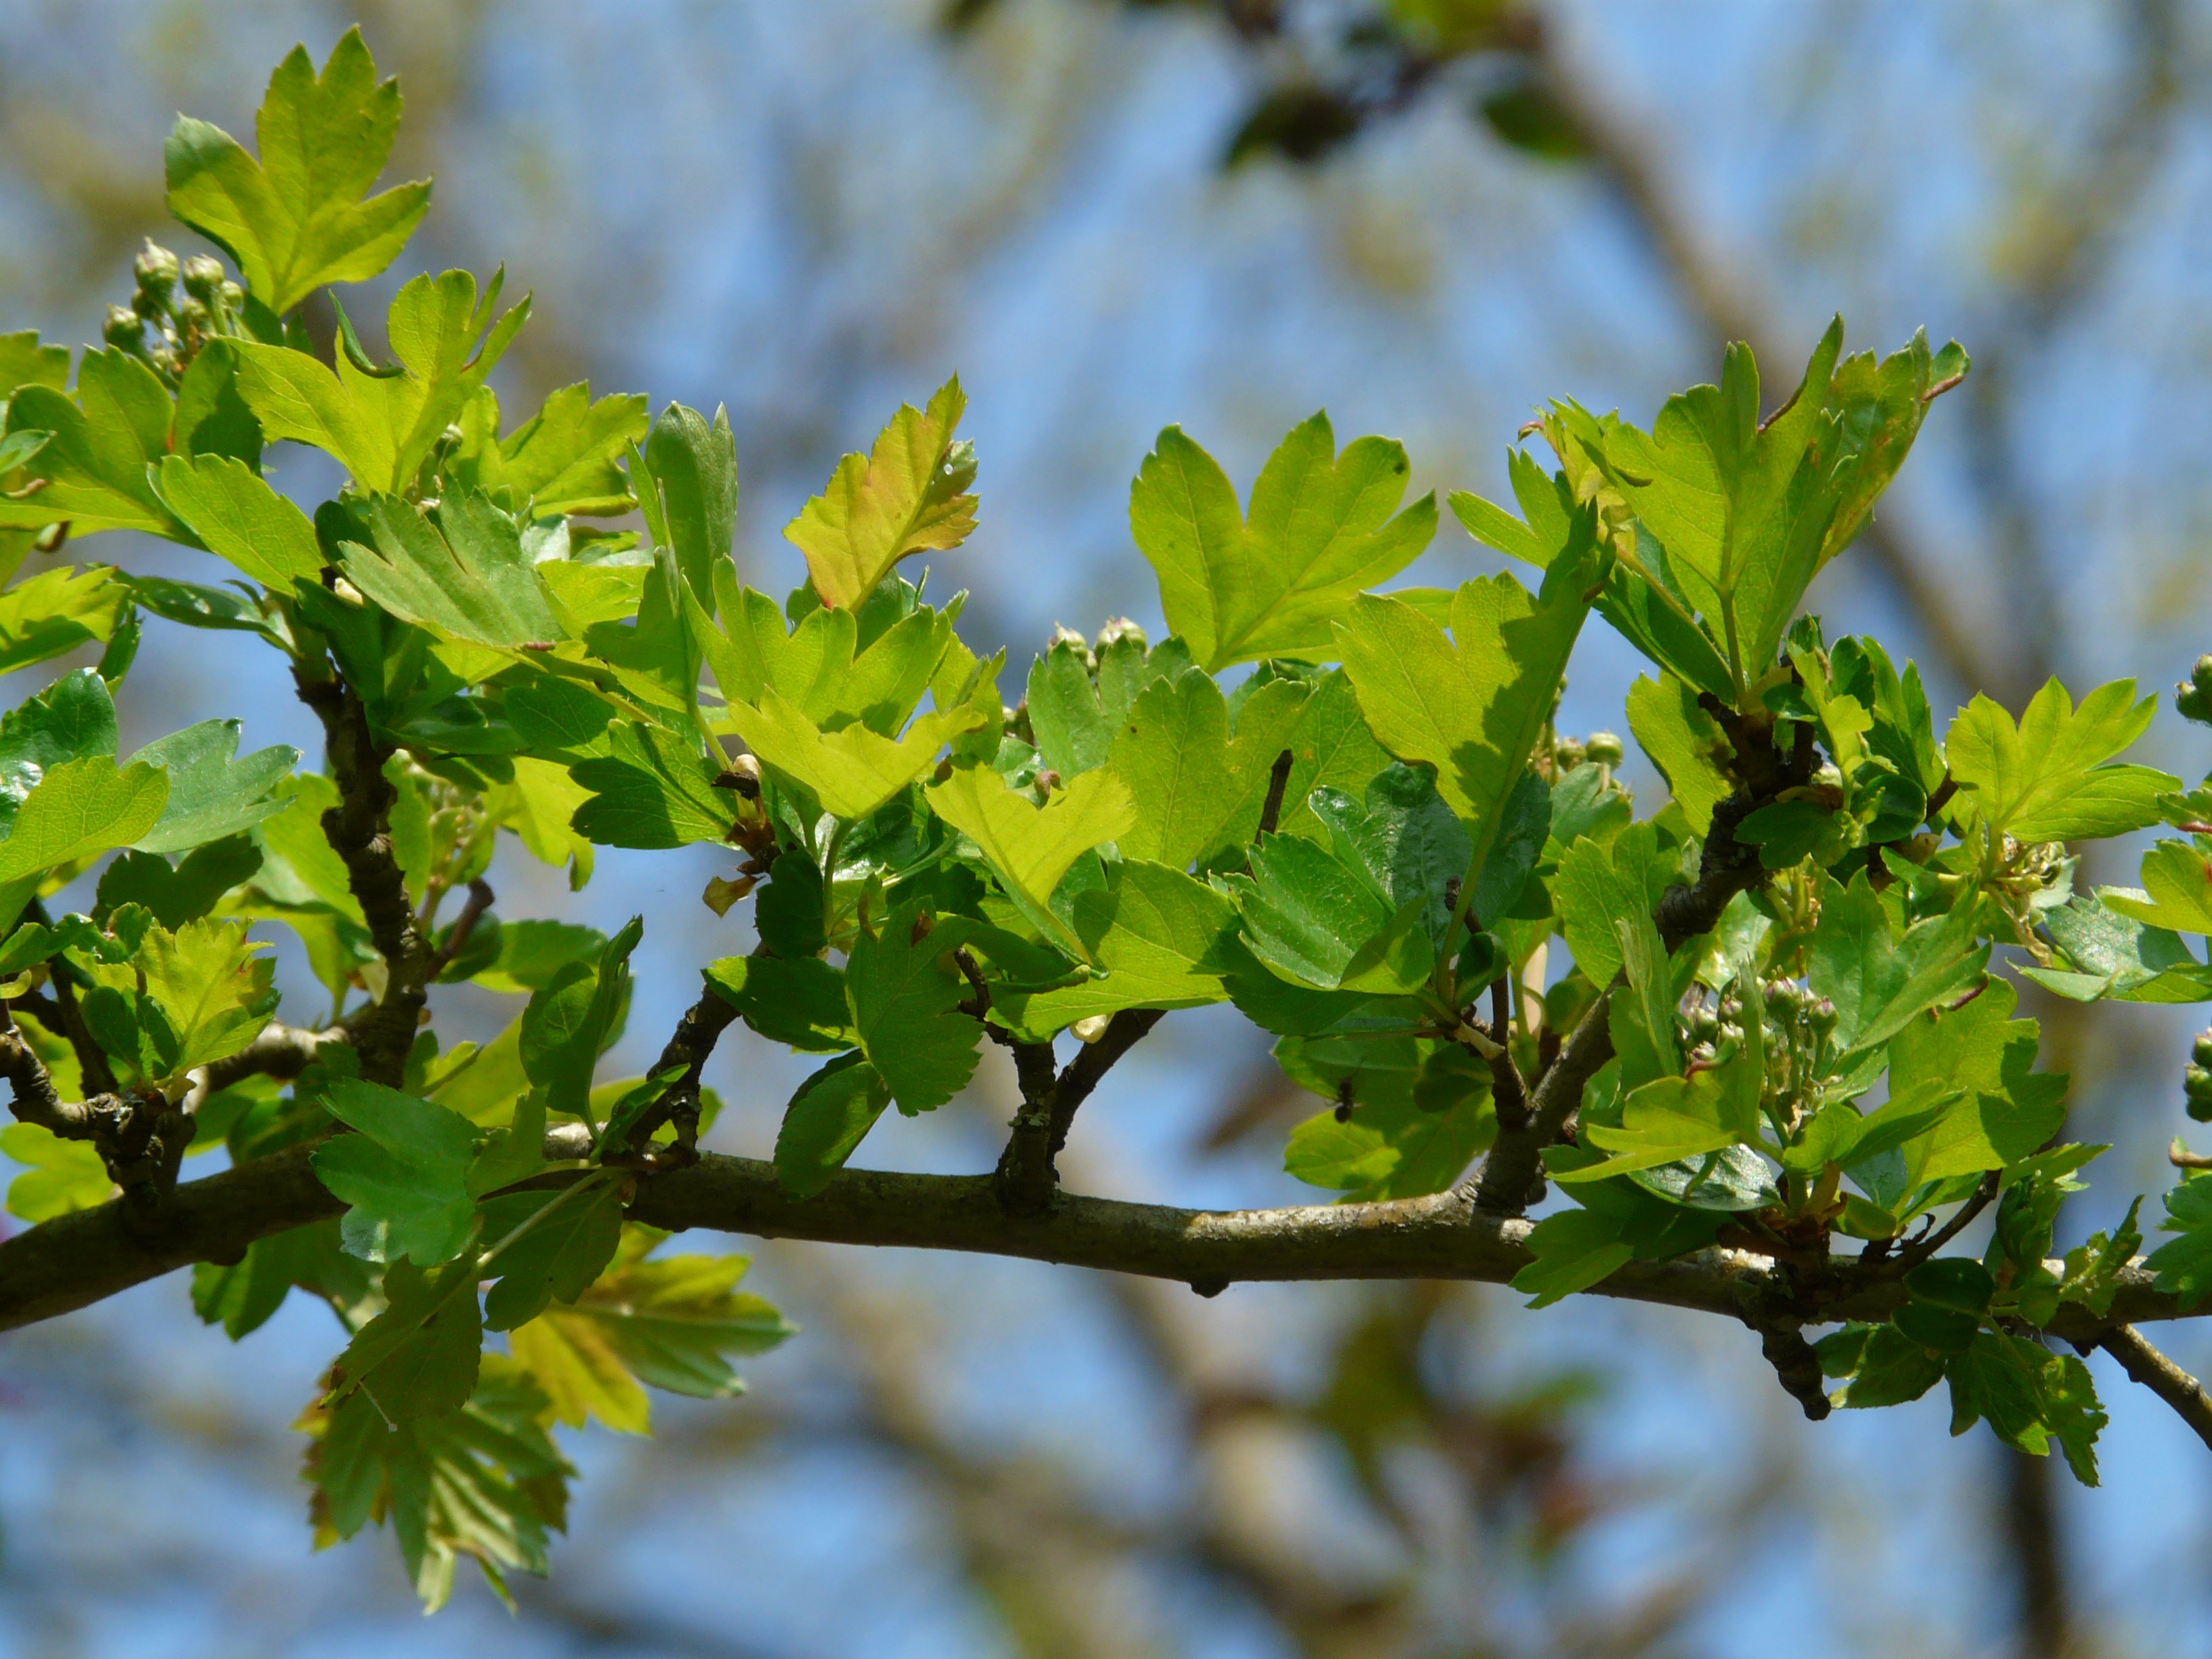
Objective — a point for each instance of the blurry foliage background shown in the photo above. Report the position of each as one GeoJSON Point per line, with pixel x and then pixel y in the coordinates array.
{"type": "Point", "coordinates": [1428, 216]}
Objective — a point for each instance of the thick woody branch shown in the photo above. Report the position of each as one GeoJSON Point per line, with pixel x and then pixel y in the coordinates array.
{"type": "Point", "coordinates": [82, 1258]}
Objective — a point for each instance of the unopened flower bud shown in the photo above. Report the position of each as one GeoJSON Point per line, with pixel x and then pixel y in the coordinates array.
{"type": "Point", "coordinates": [202, 274]}
{"type": "Point", "coordinates": [156, 268]}
{"type": "Point", "coordinates": [192, 316]}
{"type": "Point", "coordinates": [2200, 1050]}
{"type": "Point", "coordinates": [1568, 753]}
{"type": "Point", "coordinates": [1604, 747]}
{"type": "Point", "coordinates": [1120, 628]}
{"type": "Point", "coordinates": [124, 327]}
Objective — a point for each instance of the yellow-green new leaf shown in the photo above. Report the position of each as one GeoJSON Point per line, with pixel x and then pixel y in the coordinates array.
{"type": "Point", "coordinates": [81, 808]}
{"type": "Point", "coordinates": [296, 218]}
{"type": "Point", "coordinates": [231, 507]}
{"type": "Point", "coordinates": [1032, 846]}
{"type": "Point", "coordinates": [853, 770]}
{"type": "Point", "coordinates": [905, 495]}
{"type": "Point", "coordinates": [1238, 587]}
{"type": "Point", "coordinates": [1472, 703]}
{"type": "Point", "coordinates": [380, 426]}
{"type": "Point", "coordinates": [92, 468]}
{"type": "Point", "coordinates": [2045, 779]}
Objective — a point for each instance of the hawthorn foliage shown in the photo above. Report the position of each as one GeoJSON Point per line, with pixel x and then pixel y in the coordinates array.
{"type": "Point", "coordinates": [1754, 1034]}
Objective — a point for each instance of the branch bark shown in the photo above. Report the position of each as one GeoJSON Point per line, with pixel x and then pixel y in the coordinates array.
{"type": "Point", "coordinates": [2148, 1366]}
{"type": "Point", "coordinates": [82, 1258]}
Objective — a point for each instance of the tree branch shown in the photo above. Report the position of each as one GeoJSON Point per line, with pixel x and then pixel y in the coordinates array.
{"type": "Point", "coordinates": [2148, 1366]}
{"type": "Point", "coordinates": [360, 831]}
{"type": "Point", "coordinates": [79, 1258]}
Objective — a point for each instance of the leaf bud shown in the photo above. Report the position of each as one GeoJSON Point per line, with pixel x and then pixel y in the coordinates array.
{"type": "Point", "coordinates": [155, 270]}
{"type": "Point", "coordinates": [125, 328]}
{"type": "Point", "coordinates": [1604, 747]}
{"type": "Point", "coordinates": [202, 274]}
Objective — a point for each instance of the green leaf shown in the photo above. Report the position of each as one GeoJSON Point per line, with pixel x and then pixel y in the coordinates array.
{"type": "Point", "coordinates": [1420, 1112]}
{"type": "Point", "coordinates": [73, 719]}
{"type": "Point", "coordinates": [559, 1257]}
{"type": "Point", "coordinates": [24, 361]}
{"type": "Point", "coordinates": [58, 1176]}
{"type": "Point", "coordinates": [1472, 705]}
{"type": "Point", "coordinates": [382, 427]}
{"type": "Point", "coordinates": [664, 1324]}
{"type": "Point", "coordinates": [211, 795]}
{"type": "Point", "coordinates": [404, 1173]}
{"type": "Point", "coordinates": [2027, 1396]}
{"type": "Point", "coordinates": [1685, 743]}
{"type": "Point", "coordinates": [1401, 837]}
{"type": "Point", "coordinates": [1599, 881]}
{"type": "Point", "coordinates": [2183, 1266]}
{"type": "Point", "coordinates": [2111, 955]}
{"type": "Point", "coordinates": [1157, 939]}
{"type": "Point", "coordinates": [1573, 1250]}
{"type": "Point", "coordinates": [1878, 986]}
{"type": "Point", "coordinates": [81, 808]}
{"type": "Point", "coordinates": [212, 994]}
{"type": "Point", "coordinates": [180, 893]}
{"type": "Point", "coordinates": [462, 571]}
{"type": "Point", "coordinates": [100, 443]}
{"type": "Point", "coordinates": [301, 215]}
{"type": "Point", "coordinates": [1030, 847]}
{"type": "Point", "coordinates": [564, 458]}
{"type": "Point", "coordinates": [800, 1003]}
{"type": "Point", "coordinates": [1889, 1368]}
{"type": "Point", "coordinates": [420, 1356]}
{"type": "Point", "coordinates": [485, 1480]}
{"type": "Point", "coordinates": [1673, 1118]}
{"type": "Point", "coordinates": [905, 1003]}
{"type": "Point", "coordinates": [2042, 779]}
{"type": "Point", "coordinates": [829, 1116]}
{"type": "Point", "coordinates": [691, 468]}
{"type": "Point", "coordinates": [652, 789]}
{"type": "Point", "coordinates": [58, 610]}
{"type": "Point", "coordinates": [1314, 920]}
{"type": "Point", "coordinates": [574, 1019]}
{"type": "Point", "coordinates": [2010, 1109]}
{"type": "Point", "coordinates": [1238, 587]}
{"type": "Point", "coordinates": [231, 508]}
{"type": "Point", "coordinates": [1072, 733]}
{"type": "Point", "coordinates": [2178, 878]}
{"type": "Point", "coordinates": [851, 771]}
{"type": "Point", "coordinates": [245, 1294]}
{"type": "Point", "coordinates": [905, 496]}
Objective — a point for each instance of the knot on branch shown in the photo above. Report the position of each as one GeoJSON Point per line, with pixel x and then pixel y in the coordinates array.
{"type": "Point", "coordinates": [1796, 1367]}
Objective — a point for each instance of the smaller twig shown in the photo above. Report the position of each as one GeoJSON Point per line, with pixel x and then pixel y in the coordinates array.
{"type": "Point", "coordinates": [457, 939]}
{"type": "Point", "coordinates": [1507, 1091]}
{"type": "Point", "coordinates": [1919, 1250]}
{"type": "Point", "coordinates": [1279, 782]}
{"type": "Point", "coordinates": [36, 1099]}
{"type": "Point", "coordinates": [2148, 1366]}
